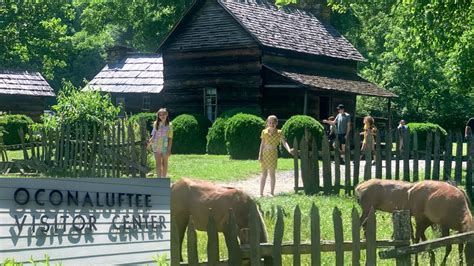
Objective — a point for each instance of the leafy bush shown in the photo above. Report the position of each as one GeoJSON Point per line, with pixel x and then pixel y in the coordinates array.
{"type": "Point", "coordinates": [77, 107]}
{"type": "Point", "coordinates": [242, 136]}
{"type": "Point", "coordinates": [295, 126]}
{"type": "Point", "coordinates": [422, 129]}
{"type": "Point", "coordinates": [190, 134]}
{"type": "Point", "coordinates": [11, 124]}
{"type": "Point", "coordinates": [244, 110]}
{"type": "Point", "coordinates": [149, 118]}
{"type": "Point", "coordinates": [216, 137]}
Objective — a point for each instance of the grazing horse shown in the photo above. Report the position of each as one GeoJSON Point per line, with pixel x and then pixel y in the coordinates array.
{"type": "Point", "coordinates": [196, 197]}
{"type": "Point", "coordinates": [383, 195]}
{"type": "Point", "coordinates": [436, 202]}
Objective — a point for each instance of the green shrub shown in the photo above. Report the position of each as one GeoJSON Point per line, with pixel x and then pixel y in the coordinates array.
{"type": "Point", "coordinates": [149, 118]}
{"type": "Point", "coordinates": [244, 110]}
{"type": "Point", "coordinates": [190, 134]}
{"type": "Point", "coordinates": [295, 126]}
{"type": "Point", "coordinates": [76, 107]}
{"type": "Point", "coordinates": [216, 137]}
{"type": "Point", "coordinates": [422, 129]}
{"type": "Point", "coordinates": [11, 124]}
{"type": "Point", "coordinates": [242, 136]}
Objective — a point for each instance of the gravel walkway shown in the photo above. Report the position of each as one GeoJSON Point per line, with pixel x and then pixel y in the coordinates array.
{"type": "Point", "coordinates": [285, 179]}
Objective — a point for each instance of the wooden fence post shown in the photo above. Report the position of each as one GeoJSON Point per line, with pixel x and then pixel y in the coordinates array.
{"type": "Point", "coordinates": [212, 240]}
{"type": "Point", "coordinates": [235, 254]}
{"type": "Point", "coordinates": [338, 236]}
{"type": "Point", "coordinates": [326, 156]}
{"type": "Point", "coordinates": [406, 155]}
{"type": "Point", "coordinates": [448, 157]}
{"type": "Point", "coordinates": [315, 236]}
{"type": "Point", "coordinates": [458, 159]}
{"type": "Point", "coordinates": [436, 156]}
{"type": "Point", "coordinates": [297, 236]}
{"type": "Point", "coordinates": [175, 244]}
{"type": "Point", "coordinates": [355, 237]}
{"type": "Point", "coordinates": [193, 257]}
{"type": "Point", "coordinates": [388, 154]}
{"type": "Point", "coordinates": [402, 231]}
{"type": "Point", "coordinates": [415, 157]}
{"type": "Point", "coordinates": [295, 164]}
{"type": "Point", "coordinates": [278, 237]}
{"type": "Point", "coordinates": [371, 239]}
{"type": "Point", "coordinates": [254, 236]}
{"type": "Point", "coordinates": [347, 167]}
{"type": "Point", "coordinates": [355, 179]}
{"type": "Point", "coordinates": [428, 148]}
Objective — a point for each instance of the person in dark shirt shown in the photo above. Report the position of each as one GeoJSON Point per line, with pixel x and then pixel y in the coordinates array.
{"type": "Point", "coordinates": [469, 128]}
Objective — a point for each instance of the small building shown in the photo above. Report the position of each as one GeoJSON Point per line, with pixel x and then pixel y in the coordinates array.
{"type": "Point", "coordinates": [224, 54]}
{"type": "Point", "coordinates": [23, 92]}
{"type": "Point", "coordinates": [134, 80]}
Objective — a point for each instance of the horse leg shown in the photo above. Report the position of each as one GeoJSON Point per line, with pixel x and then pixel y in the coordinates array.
{"type": "Point", "coordinates": [445, 232]}
{"type": "Point", "coordinates": [181, 225]}
{"type": "Point", "coordinates": [421, 224]}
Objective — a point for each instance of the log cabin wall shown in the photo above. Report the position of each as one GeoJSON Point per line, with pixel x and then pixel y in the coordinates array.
{"type": "Point", "coordinates": [134, 102]}
{"type": "Point", "coordinates": [32, 106]}
{"type": "Point", "coordinates": [211, 50]}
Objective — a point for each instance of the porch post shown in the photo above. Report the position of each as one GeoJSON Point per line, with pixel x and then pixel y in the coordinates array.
{"type": "Point", "coordinates": [389, 106]}
{"type": "Point", "coordinates": [305, 104]}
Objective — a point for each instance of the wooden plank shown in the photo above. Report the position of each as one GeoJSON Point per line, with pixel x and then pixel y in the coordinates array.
{"type": "Point", "coordinates": [368, 157]}
{"type": "Point", "coordinates": [428, 150]}
{"type": "Point", "coordinates": [278, 238]}
{"type": "Point", "coordinates": [470, 167]}
{"type": "Point", "coordinates": [295, 164]}
{"type": "Point", "coordinates": [416, 174]}
{"type": "Point", "coordinates": [337, 168]}
{"type": "Point", "coordinates": [100, 153]}
{"type": "Point", "coordinates": [458, 159]}
{"type": "Point", "coordinates": [235, 255]}
{"type": "Point", "coordinates": [143, 140]}
{"type": "Point", "coordinates": [44, 145]}
{"type": "Point", "coordinates": [133, 155]}
{"type": "Point", "coordinates": [355, 237]}
{"type": "Point", "coordinates": [397, 154]}
{"type": "Point", "coordinates": [338, 236]}
{"type": "Point", "coordinates": [80, 149]}
{"type": "Point", "coordinates": [74, 153]}
{"type": "Point", "coordinates": [87, 148]}
{"type": "Point", "coordinates": [23, 146]}
{"type": "Point", "coordinates": [212, 240]}
{"type": "Point", "coordinates": [371, 251]}
{"type": "Point", "coordinates": [436, 156]}
{"type": "Point", "coordinates": [113, 149]}
{"type": "Point", "coordinates": [326, 156]}
{"type": "Point", "coordinates": [193, 258]}
{"type": "Point", "coordinates": [315, 236]}
{"type": "Point", "coordinates": [67, 148]}
{"type": "Point", "coordinates": [123, 148]}
{"type": "Point", "coordinates": [304, 163]}
{"type": "Point", "coordinates": [32, 145]}
{"type": "Point", "coordinates": [406, 155]}
{"type": "Point", "coordinates": [388, 155]}
{"type": "Point", "coordinates": [378, 156]}
{"type": "Point", "coordinates": [356, 160]}
{"type": "Point", "coordinates": [427, 245]}
{"type": "Point", "coordinates": [254, 221]}
{"type": "Point", "coordinates": [347, 168]}
{"type": "Point", "coordinates": [314, 171]}
{"type": "Point", "coordinates": [93, 155]}
{"type": "Point", "coordinates": [316, 167]}
{"type": "Point", "coordinates": [448, 157]}
{"type": "Point", "coordinates": [296, 236]}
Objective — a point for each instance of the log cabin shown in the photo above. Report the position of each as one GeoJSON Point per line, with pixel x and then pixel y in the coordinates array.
{"type": "Point", "coordinates": [23, 92]}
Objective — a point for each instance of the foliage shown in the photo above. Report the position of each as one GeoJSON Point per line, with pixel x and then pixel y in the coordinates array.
{"type": "Point", "coordinates": [75, 107]}
{"type": "Point", "coordinates": [422, 129]}
{"type": "Point", "coordinates": [242, 136]}
{"type": "Point", "coordinates": [11, 124]}
{"type": "Point", "coordinates": [216, 137]}
{"type": "Point", "coordinates": [190, 133]}
{"type": "Point", "coordinates": [296, 125]}
{"type": "Point", "coordinates": [244, 110]}
{"type": "Point", "coordinates": [149, 118]}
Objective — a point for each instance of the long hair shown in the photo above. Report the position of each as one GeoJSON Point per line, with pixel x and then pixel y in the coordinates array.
{"type": "Point", "coordinates": [157, 121]}
{"type": "Point", "coordinates": [271, 117]}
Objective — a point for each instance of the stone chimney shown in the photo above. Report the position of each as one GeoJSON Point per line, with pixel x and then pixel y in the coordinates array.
{"type": "Point", "coordinates": [117, 52]}
{"type": "Point", "coordinates": [319, 8]}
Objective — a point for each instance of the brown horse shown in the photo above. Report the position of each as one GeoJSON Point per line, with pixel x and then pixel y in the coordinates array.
{"type": "Point", "coordinates": [436, 202]}
{"type": "Point", "coordinates": [196, 197]}
{"type": "Point", "coordinates": [383, 195]}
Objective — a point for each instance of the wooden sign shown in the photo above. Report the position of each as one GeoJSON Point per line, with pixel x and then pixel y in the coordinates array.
{"type": "Point", "coordinates": [85, 220]}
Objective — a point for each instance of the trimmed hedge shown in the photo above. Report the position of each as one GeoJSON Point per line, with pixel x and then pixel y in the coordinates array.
{"type": "Point", "coordinates": [190, 134]}
{"type": "Point", "coordinates": [242, 136]}
{"type": "Point", "coordinates": [11, 124]}
{"type": "Point", "coordinates": [216, 137]}
{"type": "Point", "coordinates": [244, 110]}
{"type": "Point", "coordinates": [295, 126]}
{"type": "Point", "coordinates": [149, 118]}
{"type": "Point", "coordinates": [422, 129]}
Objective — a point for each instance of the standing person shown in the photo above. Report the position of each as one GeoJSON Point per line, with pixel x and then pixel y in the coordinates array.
{"type": "Point", "coordinates": [469, 128]}
{"type": "Point", "coordinates": [161, 141]}
{"type": "Point", "coordinates": [369, 130]}
{"type": "Point", "coordinates": [343, 127]}
{"type": "Point", "coordinates": [331, 131]}
{"type": "Point", "coordinates": [401, 131]}
{"type": "Point", "coordinates": [268, 154]}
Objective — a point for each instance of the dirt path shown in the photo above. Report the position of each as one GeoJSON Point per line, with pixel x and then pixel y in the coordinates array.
{"type": "Point", "coordinates": [285, 179]}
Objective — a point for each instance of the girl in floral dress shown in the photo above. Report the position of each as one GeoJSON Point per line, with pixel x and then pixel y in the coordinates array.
{"type": "Point", "coordinates": [161, 141]}
{"type": "Point", "coordinates": [268, 154]}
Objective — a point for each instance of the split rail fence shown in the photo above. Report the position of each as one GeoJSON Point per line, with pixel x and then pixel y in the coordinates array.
{"type": "Point", "coordinates": [107, 151]}
{"type": "Point", "coordinates": [402, 164]}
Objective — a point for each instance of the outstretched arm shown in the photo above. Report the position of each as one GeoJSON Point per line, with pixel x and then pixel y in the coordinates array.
{"type": "Point", "coordinates": [287, 147]}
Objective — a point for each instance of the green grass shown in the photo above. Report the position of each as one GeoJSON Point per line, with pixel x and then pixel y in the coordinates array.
{"type": "Point", "coordinates": [326, 205]}
{"type": "Point", "coordinates": [216, 167]}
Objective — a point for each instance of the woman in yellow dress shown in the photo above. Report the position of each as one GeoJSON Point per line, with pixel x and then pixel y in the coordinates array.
{"type": "Point", "coordinates": [268, 154]}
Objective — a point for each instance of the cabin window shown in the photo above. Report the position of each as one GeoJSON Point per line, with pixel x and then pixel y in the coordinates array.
{"type": "Point", "coordinates": [210, 103]}
{"type": "Point", "coordinates": [146, 103]}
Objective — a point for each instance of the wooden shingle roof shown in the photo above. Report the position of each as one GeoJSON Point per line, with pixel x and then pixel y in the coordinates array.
{"type": "Point", "coordinates": [332, 81]}
{"type": "Point", "coordinates": [136, 73]}
{"type": "Point", "coordinates": [290, 29]}
{"type": "Point", "coordinates": [24, 83]}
